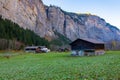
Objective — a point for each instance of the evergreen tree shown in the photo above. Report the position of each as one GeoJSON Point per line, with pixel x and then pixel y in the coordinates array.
{"type": "Point", "coordinates": [11, 31]}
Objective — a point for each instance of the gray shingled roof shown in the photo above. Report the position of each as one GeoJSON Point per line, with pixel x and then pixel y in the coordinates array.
{"type": "Point", "coordinates": [34, 47]}
{"type": "Point", "coordinates": [90, 40]}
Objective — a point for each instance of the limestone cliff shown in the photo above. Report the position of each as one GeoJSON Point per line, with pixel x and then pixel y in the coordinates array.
{"type": "Point", "coordinates": [46, 20]}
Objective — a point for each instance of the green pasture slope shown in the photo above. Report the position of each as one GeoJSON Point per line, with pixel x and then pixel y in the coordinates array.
{"type": "Point", "coordinates": [60, 66]}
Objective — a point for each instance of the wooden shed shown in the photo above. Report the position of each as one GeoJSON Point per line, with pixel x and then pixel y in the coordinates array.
{"type": "Point", "coordinates": [87, 47]}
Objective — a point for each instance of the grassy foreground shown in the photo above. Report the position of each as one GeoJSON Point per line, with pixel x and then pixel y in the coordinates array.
{"type": "Point", "coordinates": [60, 66]}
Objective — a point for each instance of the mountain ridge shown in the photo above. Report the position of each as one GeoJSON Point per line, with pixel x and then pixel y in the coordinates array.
{"type": "Point", "coordinates": [46, 20]}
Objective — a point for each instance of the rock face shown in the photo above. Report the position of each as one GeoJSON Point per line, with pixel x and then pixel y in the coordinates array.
{"type": "Point", "coordinates": [45, 21]}
{"type": "Point", "coordinates": [27, 13]}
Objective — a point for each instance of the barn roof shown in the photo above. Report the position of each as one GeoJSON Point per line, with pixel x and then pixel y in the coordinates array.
{"type": "Point", "coordinates": [89, 40]}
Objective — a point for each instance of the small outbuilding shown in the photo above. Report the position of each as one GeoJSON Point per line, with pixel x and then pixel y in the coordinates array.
{"type": "Point", "coordinates": [36, 49]}
{"type": "Point", "coordinates": [87, 47]}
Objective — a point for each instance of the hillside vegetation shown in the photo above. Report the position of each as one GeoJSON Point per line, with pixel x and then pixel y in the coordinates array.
{"type": "Point", "coordinates": [14, 37]}
{"type": "Point", "coordinates": [11, 35]}
{"type": "Point", "coordinates": [60, 66]}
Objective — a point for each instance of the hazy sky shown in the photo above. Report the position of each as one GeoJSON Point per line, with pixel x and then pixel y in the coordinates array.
{"type": "Point", "coordinates": [107, 9]}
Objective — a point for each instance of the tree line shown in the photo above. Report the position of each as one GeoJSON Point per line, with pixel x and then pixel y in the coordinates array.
{"type": "Point", "coordinates": [12, 33]}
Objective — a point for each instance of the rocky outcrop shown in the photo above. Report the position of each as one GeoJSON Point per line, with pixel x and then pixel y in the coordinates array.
{"type": "Point", "coordinates": [27, 13]}
{"type": "Point", "coordinates": [45, 21]}
{"type": "Point", "coordinates": [81, 25]}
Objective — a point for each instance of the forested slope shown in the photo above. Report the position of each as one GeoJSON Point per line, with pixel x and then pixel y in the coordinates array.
{"type": "Point", "coordinates": [14, 37]}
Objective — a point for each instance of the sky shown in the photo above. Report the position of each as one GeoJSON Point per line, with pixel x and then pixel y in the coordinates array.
{"type": "Point", "coordinates": [106, 9]}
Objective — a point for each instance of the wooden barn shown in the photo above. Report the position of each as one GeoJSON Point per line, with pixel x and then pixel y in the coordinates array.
{"type": "Point", "coordinates": [87, 47]}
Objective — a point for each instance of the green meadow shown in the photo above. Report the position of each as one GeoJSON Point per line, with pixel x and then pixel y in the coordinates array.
{"type": "Point", "coordinates": [59, 66]}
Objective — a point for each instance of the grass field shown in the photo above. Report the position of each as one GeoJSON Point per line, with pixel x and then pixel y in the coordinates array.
{"type": "Point", "coordinates": [60, 66]}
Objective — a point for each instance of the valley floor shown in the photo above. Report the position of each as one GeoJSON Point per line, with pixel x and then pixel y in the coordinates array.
{"type": "Point", "coordinates": [59, 66]}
